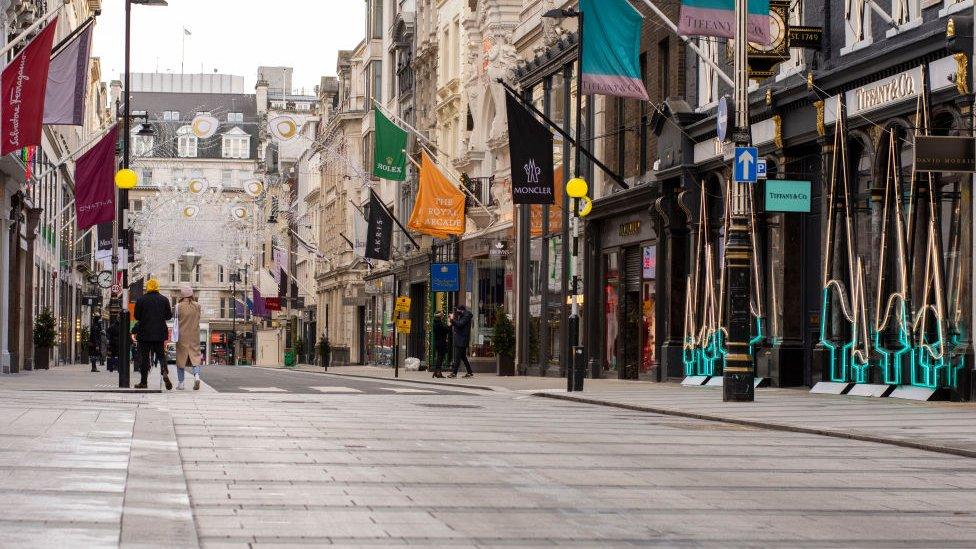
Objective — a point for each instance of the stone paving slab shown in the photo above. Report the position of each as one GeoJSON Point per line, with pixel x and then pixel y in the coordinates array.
{"type": "Point", "coordinates": [77, 377]}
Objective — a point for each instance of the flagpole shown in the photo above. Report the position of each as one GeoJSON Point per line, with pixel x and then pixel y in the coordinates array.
{"type": "Point", "coordinates": [67, 39]}
{"type": "Point", "coordinates": [70, 156]}
{"type": "Point", "coordinates": [22, 36]}
{"type": "Point", "coordinates": [395, 220]}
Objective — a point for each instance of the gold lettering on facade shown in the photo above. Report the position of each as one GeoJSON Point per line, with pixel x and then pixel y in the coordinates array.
{"type": "Point", "coordinates": [898, 88]}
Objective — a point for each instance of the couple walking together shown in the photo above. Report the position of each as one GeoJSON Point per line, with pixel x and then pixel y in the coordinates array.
{"type": "Point", "coordinates": [152, 312]}
{"type": "Point", "coordinates": [458, 330]}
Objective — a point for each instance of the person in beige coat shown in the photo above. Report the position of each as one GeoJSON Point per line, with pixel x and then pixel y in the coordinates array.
{"type": "Point", "coordinates": [188, 337]}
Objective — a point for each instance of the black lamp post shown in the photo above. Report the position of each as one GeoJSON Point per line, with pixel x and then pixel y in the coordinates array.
{"type": "Point", "coordinates": [123, 195]}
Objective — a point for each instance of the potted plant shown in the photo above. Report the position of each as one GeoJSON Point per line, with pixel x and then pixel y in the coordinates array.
{"type": "Point", "coordinates": [503, 342]}
{"type": "Point", "coordinates": [44, 339]}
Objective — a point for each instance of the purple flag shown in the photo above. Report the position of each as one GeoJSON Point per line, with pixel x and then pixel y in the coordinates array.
{"type": "Point", "coordinates": [67, 82]}
{"type": "Point", "coordinates": [95, 183]}
{"type": "Point", "coordinates": [260, 309]}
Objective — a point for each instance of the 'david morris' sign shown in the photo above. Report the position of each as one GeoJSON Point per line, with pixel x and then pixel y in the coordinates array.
{"type": "Point", "coordinates": [945, 154]}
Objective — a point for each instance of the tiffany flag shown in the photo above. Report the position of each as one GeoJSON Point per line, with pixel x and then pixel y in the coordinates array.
{"type": "Point", "coordinates": [390, 151]}
{"type": "Point", "coordinates": [439, 210]}
{"type": "Point", "coordinates": [611, 49]}
{"type": "Point", "coordinates": [717, 18]}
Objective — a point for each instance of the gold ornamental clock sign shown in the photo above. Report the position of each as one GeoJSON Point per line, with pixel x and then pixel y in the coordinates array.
{"type": "Point", "coordinates": [763, 58]}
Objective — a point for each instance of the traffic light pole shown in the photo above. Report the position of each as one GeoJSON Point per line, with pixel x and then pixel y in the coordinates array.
{"type": "Point", "coordinates": [739, 371]}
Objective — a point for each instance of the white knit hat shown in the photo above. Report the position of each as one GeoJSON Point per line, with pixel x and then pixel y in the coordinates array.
{"type": "Point", "coordinates": [186, 291]}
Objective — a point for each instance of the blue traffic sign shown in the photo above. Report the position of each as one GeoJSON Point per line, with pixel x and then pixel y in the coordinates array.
{"type": "Point", "coordinates": [761, 171]}
{"type": "Point", "coordinates": [746, 160]}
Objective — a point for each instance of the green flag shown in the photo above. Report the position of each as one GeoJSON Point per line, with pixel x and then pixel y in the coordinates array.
{"type": "Point", "coordinates": [390, 150]}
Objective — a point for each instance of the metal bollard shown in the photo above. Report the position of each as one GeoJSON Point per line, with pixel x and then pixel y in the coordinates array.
{"type": "Point", "coordinates": [579, 368]}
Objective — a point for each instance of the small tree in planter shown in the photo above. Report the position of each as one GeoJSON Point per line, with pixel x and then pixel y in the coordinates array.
{"type": "Point", "coordinates": [503, 342]}
{"type": "Point", "coordinates": [44, 339]}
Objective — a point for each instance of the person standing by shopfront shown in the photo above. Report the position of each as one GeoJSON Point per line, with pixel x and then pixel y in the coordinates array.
{"type": "Point", "coordinates": [442, 344]}
{"type": "Point", "coordinates": [95, 343]}
{"type": "Point", "coordinates": [461, 331]}
{"type": "Point", "coordinates": [188, 338]}
{"type": "Point", "coordinates": [152, 312]}
{"type": "Point", "coordinates": [324, 351]}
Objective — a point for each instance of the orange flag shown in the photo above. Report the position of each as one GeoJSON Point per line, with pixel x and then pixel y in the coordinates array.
{"type": "Point", "coordinates": [439, 210]}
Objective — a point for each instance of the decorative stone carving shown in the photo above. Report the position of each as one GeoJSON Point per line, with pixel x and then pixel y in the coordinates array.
{"type": "Point", "coordinates": [552, 31]}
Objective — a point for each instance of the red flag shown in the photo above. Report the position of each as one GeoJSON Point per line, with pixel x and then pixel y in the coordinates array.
{"type": "Point", "coordinates": [23, 85]}
{"type": "Point", "coordinates": [95, 183]}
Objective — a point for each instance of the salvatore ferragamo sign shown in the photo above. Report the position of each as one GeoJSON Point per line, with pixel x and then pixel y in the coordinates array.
{"type": "Point", "coordinates": [886, 92]}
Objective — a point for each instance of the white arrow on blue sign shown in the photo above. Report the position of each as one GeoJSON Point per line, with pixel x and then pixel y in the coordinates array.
{"type": "Point", "coordinates": [746, 160]}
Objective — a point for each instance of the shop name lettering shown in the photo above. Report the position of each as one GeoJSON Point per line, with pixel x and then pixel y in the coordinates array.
{"type": "Point", "coordinates": [389, 168]}
{"type": "Point", "coordinates": [726, 26]}
{"type": "Point", "coordinates": [15, 101]}
{"type": "Point", "coordinates": [788, 196]}
{"type": "Point", "coordinates": [900, 87]}
{"type": "Point", "coordinates": [630, 229]}
{"type": "Point", "coordinates": [94, 206]}
{"type": "Point", "coordinates": [534, 190]}
{"type": "Point", "coordinates": [443, 216]}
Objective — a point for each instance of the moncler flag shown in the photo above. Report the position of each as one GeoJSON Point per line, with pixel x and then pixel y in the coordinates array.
{"type": "Point", "coordinates": [22, 89]}
{"type": "Point", "coordinates": [379, 233]}
{"type": "Point", "coordinates": [530, 148]}
{"type": "Point", "coordinates": [67, 82]}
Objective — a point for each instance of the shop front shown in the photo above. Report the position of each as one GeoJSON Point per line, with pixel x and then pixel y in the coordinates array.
{"type": "Point", "coordinates": [621, 300]}
{"type": "Point", "coordinates": [377, 321]}
{"type": "Point", "coordinates": [487, 290]}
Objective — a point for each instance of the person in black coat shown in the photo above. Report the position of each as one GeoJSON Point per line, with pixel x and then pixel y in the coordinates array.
{"type": "Point", "coordinates": [442, 344]}
{"type": "Point", "coordinates": [152, 312]}
{"type": "Point", "coordinates": [112, 346]}
{"type": "Point", "coordinates": [461, 330]}
{"type": "Point", "coordinates": [95, 343]}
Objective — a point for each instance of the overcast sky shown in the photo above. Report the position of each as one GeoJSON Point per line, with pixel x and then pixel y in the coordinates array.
{"type": "Point", "coordinates": [231, 36]}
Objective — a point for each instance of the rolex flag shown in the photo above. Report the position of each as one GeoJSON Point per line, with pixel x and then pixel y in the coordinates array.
{"type": "Point", "coordinates": [67, 82]}
{"type": "Point", "coordinates": [530, 148]}
{"type": "Point", "coordinates": [23, 85]}
{"type": "Point", "coordinates": [439, 210]}
{"type": "Point", "coordinates": [717, 18]}
{"type": "Point", "coordinates": [611, 49]}
{"type": "Point", "coordinates": [379, 232]}
{"type": "Point", "coordinates": [390, 150]}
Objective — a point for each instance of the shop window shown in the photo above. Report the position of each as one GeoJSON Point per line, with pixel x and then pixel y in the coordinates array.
{"type": "Point", "coordinates": [490, 286]}
{"type": "Point", "coordinates": [707, 77]}
{"type": "Point", "coordinates": [857, 28]}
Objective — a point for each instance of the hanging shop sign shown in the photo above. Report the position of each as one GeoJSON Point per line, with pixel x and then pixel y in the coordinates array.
{"type": "Point", "coordinates": [805, 37]}
{"type": "Point", "coordinates": [402, 305]}
{"type": "Point", "coordinates": [787, 196]}
{"type": "Point", "coordinates": [885, 92]}
{"type": "Point", "coordinates": [445, 277]}
{"type": "Point", "coordinates": [945, 154]}
{"type": "Point", "coordinates": [764, 58]}
{"type": "Point", "coordinates": [272, 303]}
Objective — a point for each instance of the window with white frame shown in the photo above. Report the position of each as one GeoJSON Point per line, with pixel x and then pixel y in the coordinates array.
{"type": "Point", "coordinates": [279, 105]}
{"type": "Point", "coordinates": [236, 144]}
{"type": "Point", "coordinates": [906, 12]}
{"type": "Point", "coordinates": [147, 176]}
{"type": "Point", "coordinates": [142, 145]}
{"type": "Point", "coordinates": [226, 177]}
{"type": "Point", "coordinates": [707, 78]}
{"type": "Point", "coordinates": [177, 174]}
{"type": "Point", "coordinates": [171, 116]}
{"type": "Point", "coordinates": [235, 117]}
{"type": "Point", "coordinates": [303, 106]}
{"type": "Point", "coordinates": [186, 143]}
{"type": "Point", "coordinates": [857, 25]}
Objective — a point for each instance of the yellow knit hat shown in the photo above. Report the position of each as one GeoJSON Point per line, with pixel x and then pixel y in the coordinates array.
{"type": "Point", "coordinates": [152, 285]}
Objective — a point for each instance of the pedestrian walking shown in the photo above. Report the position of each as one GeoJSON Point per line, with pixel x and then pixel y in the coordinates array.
{"type": "Point", "coordinates": [112, 344]}
{"type": "Point", "coordinates": [442, 344]}
{"type": "Point", "coordinates": [152, 312]}
{"type": "Point", "coordinates": [461, 331]}
{"type": "Point", "coordinates": [325, 351]}
{"type": "Point", "coordinates": [187, 337]}
{"type": "Point", "coordinates": [95, 343]}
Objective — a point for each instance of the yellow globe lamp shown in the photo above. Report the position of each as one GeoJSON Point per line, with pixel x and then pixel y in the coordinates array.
{"type": "Point", "coordinates": [126, 179]}
{"type": "Point", "coordinates": [577, 187]}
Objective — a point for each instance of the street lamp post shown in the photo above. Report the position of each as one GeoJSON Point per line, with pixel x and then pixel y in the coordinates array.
{"type": "Point", "coordinates": [122, 197]}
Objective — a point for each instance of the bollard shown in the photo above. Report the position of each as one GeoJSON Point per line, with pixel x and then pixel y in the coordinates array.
{"type": "Point", "coordinates": [579, 368]}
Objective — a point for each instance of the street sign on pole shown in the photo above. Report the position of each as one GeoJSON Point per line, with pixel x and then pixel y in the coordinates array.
{"type": "Point", "coordinates": [761, 168]}
{"type": "Point", "coordinates": [746, 162]}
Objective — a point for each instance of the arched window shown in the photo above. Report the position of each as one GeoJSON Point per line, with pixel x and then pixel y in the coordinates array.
{"type": "Point", "coordinates": [186, 143]}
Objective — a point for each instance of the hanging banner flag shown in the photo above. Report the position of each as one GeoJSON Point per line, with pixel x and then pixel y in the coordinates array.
{"type": "Point", "coordinates": [390, 150]}
{"type": "Point", "coordinates": [611, 49]}
{"type": "Point", "coordinates": [23, 86]}
{"type": "Point", "coordinates": [259, 307]}
{"type": "Point", "coordinates": [530, 148]}
{"type": "Point", "coordinates": [439, 210]}
{"type": "Point", "coordinates": [379, 231]}
{"type": "Point", "coordinates": [95, 182]}
{"type": "Point", "coordinates": [67, 82]}
{"type": "Point", "coordinates": [359, 231]}
{"type": "Point", "coordinates": [717, 18]}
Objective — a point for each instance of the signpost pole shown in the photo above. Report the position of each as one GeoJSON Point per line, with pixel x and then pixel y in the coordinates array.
{"type": "Point", "coordinates": [739, 371]}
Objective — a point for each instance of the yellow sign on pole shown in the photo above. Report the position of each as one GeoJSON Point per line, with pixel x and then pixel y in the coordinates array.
{"type": "Point", "coordinates": [402, 305]}
{"type": "Point", "coordinates": [403, 325]}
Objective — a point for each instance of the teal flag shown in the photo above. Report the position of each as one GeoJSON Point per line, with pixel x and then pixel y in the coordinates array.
{"type": "Point", "coordinates": [717, 18]}
{"type": "Point", "coordinates": [389, 150]}
{"type": "Point", "coordinates": [611, 49]}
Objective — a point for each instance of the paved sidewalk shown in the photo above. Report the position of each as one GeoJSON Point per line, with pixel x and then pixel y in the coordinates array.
{"type": "Point", "coordinates": [937, 426]}
{"type": "Point", "coordinates": [77, 377]}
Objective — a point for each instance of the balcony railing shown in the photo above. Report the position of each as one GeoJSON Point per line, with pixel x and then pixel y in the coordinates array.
{"type": "Point", "coordinates": [481, 188]}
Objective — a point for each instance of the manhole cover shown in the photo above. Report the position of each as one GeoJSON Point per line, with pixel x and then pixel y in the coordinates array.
{"type": "Point", "coordinates": [451, 406]}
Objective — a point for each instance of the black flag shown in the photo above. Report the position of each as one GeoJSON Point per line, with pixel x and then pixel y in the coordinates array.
{"type": "Point", "coordinates": [530, 147]}
{"type": "Point", "coordinates": [379, 232]}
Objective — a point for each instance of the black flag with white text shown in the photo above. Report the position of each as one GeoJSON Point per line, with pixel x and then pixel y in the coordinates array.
{"type": "Point", "coordinates": [379, 232]}
{"type": "Point", "coordinates": [530, 147]}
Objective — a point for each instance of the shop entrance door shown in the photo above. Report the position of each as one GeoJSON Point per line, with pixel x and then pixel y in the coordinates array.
{"type": "Point", "coordinates": [416, 344]}
{"type": "Point", "coordinates": [631, 315]}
